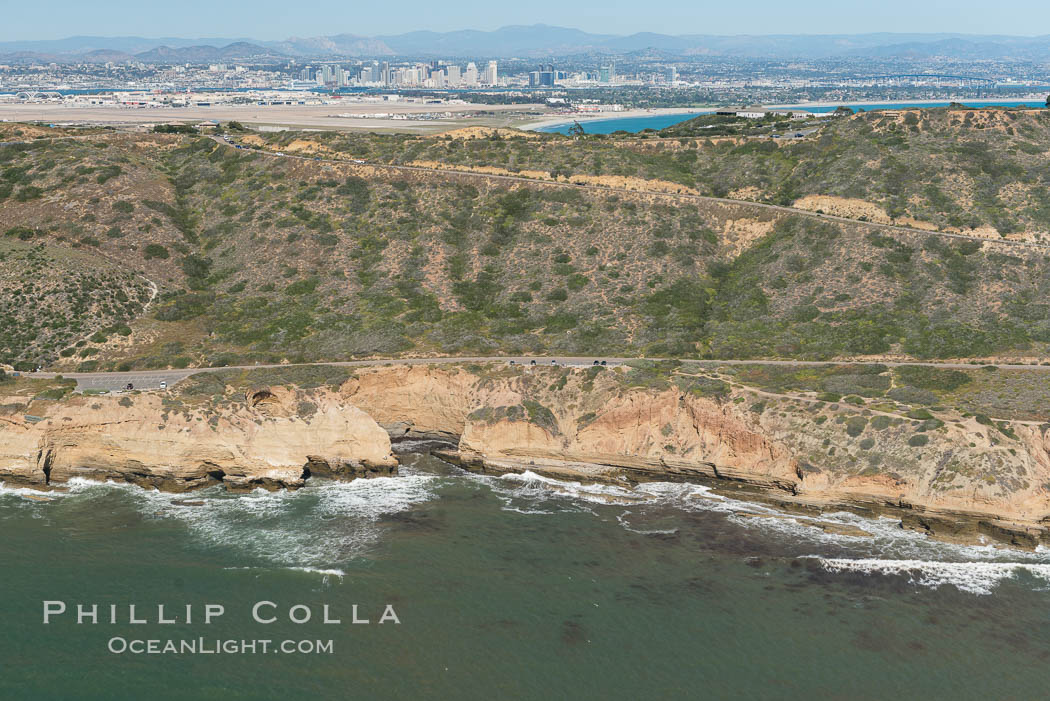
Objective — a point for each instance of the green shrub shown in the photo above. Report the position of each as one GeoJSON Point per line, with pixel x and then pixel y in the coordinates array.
{"type": "Point", "coordinates": [24, 233]}
{"type": "Point", "coordinates": [919, 414]}
{"type": "Point", "coordinates": [541, 416]}
{"type": "Point", "coordinates": [864, 384]}
{"type": "Point", "coordinates": [302, 287]}
{"type": "Point", "coordinates": [912, 395]}
{"type": "Point", "coordinates": [918, 440]}
{"type": "Point", "coordinates": [174, 129]}
{"type": "Point", "coordinates": [929, 378]}
{"type": "Point", "coordinates": [855, 425]}
{"type": "Point", "coordinates": [880, 422]}
{"type": "Point", "coordinates": [703, 386]}
{"type": "Point", "coordinates": [29, 192]}
{"type": "Point", "coordinates": [155, 250]}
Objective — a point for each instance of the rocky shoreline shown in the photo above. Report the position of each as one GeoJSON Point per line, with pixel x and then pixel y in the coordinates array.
{"type": "Point", "coordinates": [591, 425]}
{"type": "Point", "coordinates": [964, 527]}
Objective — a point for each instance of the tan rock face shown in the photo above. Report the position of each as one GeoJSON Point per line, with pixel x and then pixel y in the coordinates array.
{"type": "Point", "coordinates": [267, 445]}
{"type": "Point", "coordinates": [416, 401]}
{"type": "Point", "coordinates": [654, 435]}
{"type": "Point", "coordinates": [843, 207]}
{"type": "Point", "coordinates": [962, 479]}
{"type": "Point", "coordinates": [962, 482]}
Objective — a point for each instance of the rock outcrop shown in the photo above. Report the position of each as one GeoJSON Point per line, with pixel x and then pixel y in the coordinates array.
{"type": "Point", "coordinates": [155, 442]}
{"type": "Point", "coordinates": [416, 402]}
{"type": "Point", "coordinates": [961, 478]}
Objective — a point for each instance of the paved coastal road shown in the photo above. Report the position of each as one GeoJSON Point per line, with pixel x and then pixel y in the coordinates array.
{"type": "Point", "coordinates": [152, 379]}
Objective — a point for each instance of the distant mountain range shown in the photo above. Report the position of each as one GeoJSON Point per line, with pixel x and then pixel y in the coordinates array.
{"type": "Point", "coordinates": [527, 42]}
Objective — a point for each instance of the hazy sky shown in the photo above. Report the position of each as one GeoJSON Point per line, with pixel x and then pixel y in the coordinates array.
{"type": "Point", "coordinates": [279, 19]}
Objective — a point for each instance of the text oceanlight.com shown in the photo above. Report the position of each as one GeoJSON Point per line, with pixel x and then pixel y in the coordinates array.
{"type": "Point", "coordinates": [202, 646]}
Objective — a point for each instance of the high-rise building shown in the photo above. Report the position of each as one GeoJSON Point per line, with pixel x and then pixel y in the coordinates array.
{"type": "Point", "coordinates": [670, 75]}
{"type": "Point", "coordinates": [491, 76]}
{"type": "Point", "coordinates": [547, 76]}
{"type": "Point", "coordinates": [607, 74]}
{"type": "Point", "coordinates": [454, 79]}
{"type": "Point", "coordinates": [470, 76]}
{"type": "Point", "coordinates": [384, 75]}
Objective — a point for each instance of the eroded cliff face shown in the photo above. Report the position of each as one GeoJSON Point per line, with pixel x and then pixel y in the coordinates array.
{"type": "Point", "coordinates": [635, 434]}
{"type": "Point", "coordinates": [959, 479]}
{"type": "Point", "coordinates": [273, 438]}
{"type": "Point", "coordinates": [415, 401]}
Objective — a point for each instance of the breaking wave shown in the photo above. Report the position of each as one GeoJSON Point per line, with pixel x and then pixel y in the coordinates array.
{"type": "Point", "coordinates": [315, 529]}
{"type": "Point", "coordinates": [324, 527]}
{"type": "Point", "coordinates": [846, 542]}
{"type": "Point", "coordinates": [972, 577]}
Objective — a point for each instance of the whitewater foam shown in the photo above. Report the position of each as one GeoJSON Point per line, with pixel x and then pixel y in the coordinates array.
{"type": "Point", "coordinates": [888, 549]}
{"type": "Point", "coordinates": [973, 577]}
{"type": "Point", "coordinates": [323, 526]}
{"type": "Point", "coordinates": [316, 528]}
{"type": "Point", "coordinates": [28, 492]}
{"type": "Point", "coordinates": [317, 570]}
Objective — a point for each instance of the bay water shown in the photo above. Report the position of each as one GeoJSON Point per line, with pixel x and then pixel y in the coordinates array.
{"type": "Point", "coordinates": [634, 125]}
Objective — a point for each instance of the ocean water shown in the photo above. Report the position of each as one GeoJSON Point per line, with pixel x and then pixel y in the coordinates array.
{"type": "Point", "coordinates": [509, 587]}
{"type": "Point", "coordinates": [661, 121]}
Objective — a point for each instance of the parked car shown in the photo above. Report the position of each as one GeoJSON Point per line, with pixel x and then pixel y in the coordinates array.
{"type": "Point", "coordinates": [163, 384]}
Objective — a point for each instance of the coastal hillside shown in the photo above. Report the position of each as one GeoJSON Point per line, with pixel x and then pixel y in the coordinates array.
{"type": "Point", "coordinates": [261, 257]}
{"type": "Point", "coordinates": [950, 168]}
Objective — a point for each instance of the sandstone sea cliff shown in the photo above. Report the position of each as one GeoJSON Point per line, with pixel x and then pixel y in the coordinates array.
{"type": "Point", "coordinates": [270, 439]}
{"type": "Point", "coordinates": [954, 474]}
